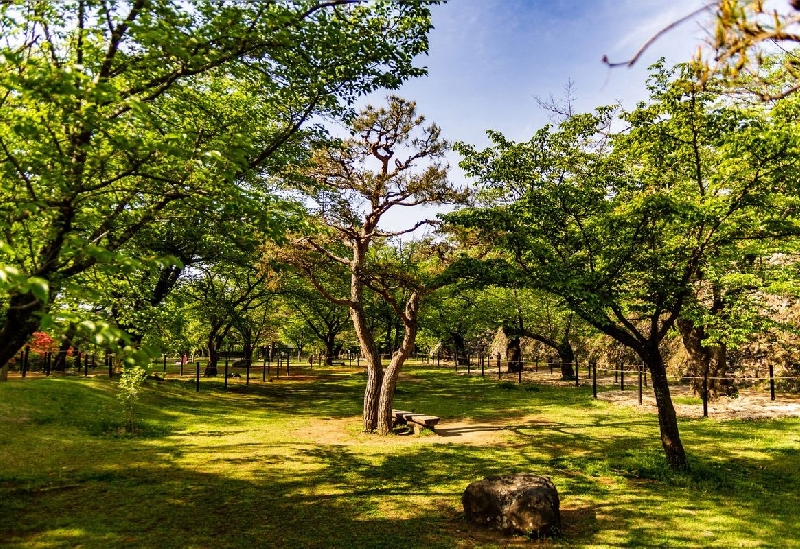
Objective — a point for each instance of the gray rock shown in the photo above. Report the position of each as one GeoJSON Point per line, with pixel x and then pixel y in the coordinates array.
{"type": "Point", "coordinates": [514, 504]}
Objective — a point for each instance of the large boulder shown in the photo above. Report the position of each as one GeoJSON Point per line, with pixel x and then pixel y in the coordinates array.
{"type": "Point", "coordinates": [514, 504]}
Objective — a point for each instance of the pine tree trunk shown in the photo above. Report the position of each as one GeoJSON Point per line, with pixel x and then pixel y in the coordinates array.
{"type": "Point", "coordinates": [372, 399]}
{"type": "Point", "coordinates": [386, 397]}
{"type": "Point", "coordinates": [373, 366]}
{"type": "Point", "coordinates": [399, 357]}
{"type": "Point", "coordinates": [366, 339]}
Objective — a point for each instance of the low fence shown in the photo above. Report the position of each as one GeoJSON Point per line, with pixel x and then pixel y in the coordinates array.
{"type": "Point", "coordinates": [232, 371]}
{"type": "Point", "coordinates": [552, 369]}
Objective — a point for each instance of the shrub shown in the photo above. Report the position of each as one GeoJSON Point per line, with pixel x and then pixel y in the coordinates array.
{"type": "Point", "coordinates": [130, 383]}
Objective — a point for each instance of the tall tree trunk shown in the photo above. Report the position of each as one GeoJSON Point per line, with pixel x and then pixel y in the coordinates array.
{"type": "Point", "coordinates": [22, 320]}
{"type": "Point", "coordinates": [567, 358]}
{"type": "Point", "coordinates": [214, 343]}
{"type": "Point", "coordinates": [60, 364]}
{"type": "Point", "coordinates": [247, 350]}
{"type": "Point", "coordinates": [399, 357]}
{"type": "Point", "coordinates": [460, 347]}
{"type": "Point", "coordinates": [330, 348]}
{"type": "Point", "coordinates": [374, 368]}
{"type": "Point", "coordinates": [667, 419]}
{"type": "Point", "coordinates": [372, 398]}
{"type": "Point", "coordinates": [712, 359]}
{"type": "Point", "coordinates": [514, 355]}
{"type": "Point", "coordinates": [366, 339]}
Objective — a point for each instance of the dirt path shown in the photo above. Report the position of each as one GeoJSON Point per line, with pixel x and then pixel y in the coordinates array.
{"type": "Point", "coordinates": [345, 431]}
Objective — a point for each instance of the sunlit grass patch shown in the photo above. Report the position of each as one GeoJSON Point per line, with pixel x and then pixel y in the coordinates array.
{"type": "Point", "coordinates": [286, 465]}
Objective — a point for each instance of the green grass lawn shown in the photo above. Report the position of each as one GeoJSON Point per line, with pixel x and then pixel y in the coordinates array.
{"type": "Point", "coordinates": [284, 464]}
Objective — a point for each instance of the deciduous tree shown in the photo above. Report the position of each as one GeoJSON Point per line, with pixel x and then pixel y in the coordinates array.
{"type": "Point", "coordinates": [619, 224]}
{"type": "Point", "coordinates": [114, 115]}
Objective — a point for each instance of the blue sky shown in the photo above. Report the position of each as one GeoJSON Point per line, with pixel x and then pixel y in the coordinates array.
{"type": "Point", "coordinates": [489, 59]}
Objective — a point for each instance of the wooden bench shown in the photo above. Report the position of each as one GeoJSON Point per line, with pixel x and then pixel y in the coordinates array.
{"type": "Point", "coordinates": [417, 421]}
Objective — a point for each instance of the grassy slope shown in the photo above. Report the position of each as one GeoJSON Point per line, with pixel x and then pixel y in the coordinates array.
{"type": "Point", "coordinates": [245, 469]}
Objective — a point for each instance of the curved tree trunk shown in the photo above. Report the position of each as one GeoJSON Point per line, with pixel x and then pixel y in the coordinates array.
{"type": "Point", "coordinates": [667, 419]}
{"type": "Point", "coordinates": [22, 320]}
{"type": "Point", "coordinates": [460, 348]}
{"type": "Point", "coordinates": [60, 363]}
{"type": "Point", "coordinates": [366, 340]}
{"type": "Point", "coordinates": [399, 357]}
{"type": "Point", "coordinates": [566, 355]}
{"type": "Point", "coordinates": [374, 370]}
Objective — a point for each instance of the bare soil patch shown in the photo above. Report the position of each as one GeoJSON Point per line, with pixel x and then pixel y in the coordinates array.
{"type": "Point", "coordinates": [345, 431]}
{"type": "Point", "coordinates": [748, 405]}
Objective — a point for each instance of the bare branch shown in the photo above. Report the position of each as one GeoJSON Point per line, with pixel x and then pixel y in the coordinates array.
{"type": "Point", "coordinates": [632, 61]}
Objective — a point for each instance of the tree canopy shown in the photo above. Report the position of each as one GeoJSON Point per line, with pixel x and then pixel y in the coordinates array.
{"type": "Point", "coordinates": [117, 117]}
{"type": "Point", "coordinates": [621, 224]}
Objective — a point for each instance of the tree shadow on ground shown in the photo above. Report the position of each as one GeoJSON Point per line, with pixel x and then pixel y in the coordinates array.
{"type": "Point", "coordinates": [217, 484]}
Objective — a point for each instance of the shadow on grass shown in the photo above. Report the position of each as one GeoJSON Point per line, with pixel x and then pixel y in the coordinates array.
{"type": "Point", "coordinates": [218, 484]}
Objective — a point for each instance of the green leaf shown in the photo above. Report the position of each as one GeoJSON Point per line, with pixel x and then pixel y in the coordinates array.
{"type": "Point", "coordinates": [39, 287]}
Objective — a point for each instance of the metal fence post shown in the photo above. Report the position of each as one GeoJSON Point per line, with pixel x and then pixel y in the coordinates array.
{"type": "Point", "coordinates": [640, 384]}
{"type": "Point", "coordinates": [771, 383]}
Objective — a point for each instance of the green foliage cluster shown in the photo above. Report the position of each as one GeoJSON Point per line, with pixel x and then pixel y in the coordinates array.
{"type": "Point", "coordinates": [635, 220]}
{"type": "Point", "coordinates": [125, 123]}
{"type": "Point", "coordinates": [130, 386]}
